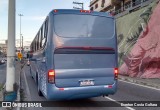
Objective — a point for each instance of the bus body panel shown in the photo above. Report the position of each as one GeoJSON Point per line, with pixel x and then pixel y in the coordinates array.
{"type": "Point", "coordinates": [73, 64]}
{"type": "Point", "coordinates": [75, 68]}
{"type": "Point", "coordinates": [67, 80]}
{"type": "Point", "coordinates": [70, 93]}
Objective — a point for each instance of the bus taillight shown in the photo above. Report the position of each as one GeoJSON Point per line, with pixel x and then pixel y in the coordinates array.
{"type": "Point", "coordinates": [55, 11]}
{"type": "Point", "coordinates": [51, 76]}
{"type": "Point", "coordinates": [85, 11]}
{"type": "Point", "coordinates": [115, 73]}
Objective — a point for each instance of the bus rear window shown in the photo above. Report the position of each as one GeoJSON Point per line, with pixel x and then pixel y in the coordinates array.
{"type": "Point", "coordinates": [69, 25]}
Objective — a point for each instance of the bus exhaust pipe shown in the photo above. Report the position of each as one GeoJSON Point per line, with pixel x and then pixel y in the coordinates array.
{"type": "Point", "coordinates": [104, 95]}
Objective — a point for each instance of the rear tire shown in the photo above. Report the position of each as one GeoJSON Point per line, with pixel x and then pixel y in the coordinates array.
{"type": "Point", "coordinates": [31, 72]}
{"type": "Point", "coordinates": [39, 91]}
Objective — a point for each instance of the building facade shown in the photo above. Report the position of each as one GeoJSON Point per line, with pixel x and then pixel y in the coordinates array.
{"type": "Point", "coordinates": [114, 6]}
{"type": "Point", "coordinates": [26, 48]}
{"type": "Point", "coordinates": [104, 5]}
{"type": "Point", "coordinates": [3, 48]}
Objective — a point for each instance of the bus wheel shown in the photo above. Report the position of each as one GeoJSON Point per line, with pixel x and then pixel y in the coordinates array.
{"type": "Point", "coordinates": [39, 91]}
{"type": "Point", "coordinates": [31, 73]}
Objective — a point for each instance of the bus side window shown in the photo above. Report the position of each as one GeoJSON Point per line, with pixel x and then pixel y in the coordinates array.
{"type": "Point", "coordinates": [43, 42]}
{"type": "Point", "coordinates": [37, 40]}
{"type": "Point", "coordinates": [34, 43]}
{"type": "Point", "coordinates": [41, 37]}
{"type": "Point", "coordinates": [45, 32]}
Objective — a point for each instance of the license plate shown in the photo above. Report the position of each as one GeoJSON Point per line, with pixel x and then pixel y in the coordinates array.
{"type": "Point", "coordinates": [86, 83]}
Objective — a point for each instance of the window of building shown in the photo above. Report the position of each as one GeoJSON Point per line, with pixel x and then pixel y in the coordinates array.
{"type": "Point", "coordinates": [103, 1]}
{"type": "Point", "coordinates": [91, 8]}
{"type": "Point", "coordinates": [96, 6]}
{"type": "Point", "coordinates": [127, 5]}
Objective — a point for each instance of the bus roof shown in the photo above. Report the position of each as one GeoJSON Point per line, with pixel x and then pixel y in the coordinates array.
{"type": "Point", "coordinates": [73, 11]}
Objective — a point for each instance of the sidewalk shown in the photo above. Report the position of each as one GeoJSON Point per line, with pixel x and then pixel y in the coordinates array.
{"type": "Point", "coordinates": [155, 83]}
{"type": "Point", "coordinates": [18, 68]}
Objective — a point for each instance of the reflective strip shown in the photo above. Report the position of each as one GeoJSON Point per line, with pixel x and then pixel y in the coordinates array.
{"type": "Point", "coordinates": [108, 86]}
{"type": "Point", "coordinates": [62, 89]}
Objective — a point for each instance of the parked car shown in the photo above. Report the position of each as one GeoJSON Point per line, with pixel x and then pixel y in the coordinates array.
{"type": "Point", "coordinates": [2, 61]}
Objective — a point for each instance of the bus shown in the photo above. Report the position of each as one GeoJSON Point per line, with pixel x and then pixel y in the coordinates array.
{"type": "Point", "coordinates": [74, 55]}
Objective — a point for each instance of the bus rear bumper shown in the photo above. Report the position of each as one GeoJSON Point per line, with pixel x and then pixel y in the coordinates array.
{"type": "Point", "coordinates": [55, 93]}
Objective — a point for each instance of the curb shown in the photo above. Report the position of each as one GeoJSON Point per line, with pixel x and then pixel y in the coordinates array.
{"type": "Point", "coordinates": [18, 92]}
{"type": "Point", "coordinates": [18, 99]}
{"type": "Point", "coordinates": [19, 83]}
{"type": "Point", "coordinates": [141, 82]}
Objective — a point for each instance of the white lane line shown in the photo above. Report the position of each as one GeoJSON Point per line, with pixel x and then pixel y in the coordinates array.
{"type": "Point", "coordinates": [130, 108]}
{"type": "Point", "coordinates": [27, 87]}
{"type": "Point", "coordinates": [140, 85]}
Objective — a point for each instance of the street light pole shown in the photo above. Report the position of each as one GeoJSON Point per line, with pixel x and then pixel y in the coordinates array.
{"type": "Point", "coordinates": [10, 76]}
{"type": "Point", "coordinates": [20, 15]}
{"type": "Point", "coordinates": [22, 44]}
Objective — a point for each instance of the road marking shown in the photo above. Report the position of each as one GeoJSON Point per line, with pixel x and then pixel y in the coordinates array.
{"type": "Point", "coordinates": [130, 108]}
{"type": "Point", "coordinates": [140, 85]}
{"type": "Point", "coordinates": [27, 87]}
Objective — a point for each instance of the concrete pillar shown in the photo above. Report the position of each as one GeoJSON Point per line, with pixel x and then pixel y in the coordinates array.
{"type": "Point", "coordinates": [10, 76]}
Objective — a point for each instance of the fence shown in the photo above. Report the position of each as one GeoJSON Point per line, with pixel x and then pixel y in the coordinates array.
{"type": "Point", "coordinates": [131, 7]}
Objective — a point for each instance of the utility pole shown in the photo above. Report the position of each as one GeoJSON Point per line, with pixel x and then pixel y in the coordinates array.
{"type": "Point", "coordinates": [78, 3]}
{"type": "Point", "coordinates": [22, 44]}
{"type": "Point", "coordinates": [20, 15]}
{"type": "Point", "coordinates": [10, 76]}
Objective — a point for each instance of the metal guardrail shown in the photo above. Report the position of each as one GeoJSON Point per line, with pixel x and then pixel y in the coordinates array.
{"type": "Point", "coordinates": [130, 7]}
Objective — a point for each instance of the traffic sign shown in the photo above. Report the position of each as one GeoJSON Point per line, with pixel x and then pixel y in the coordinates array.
{"type": "Point", "coordinates": [20, 55]}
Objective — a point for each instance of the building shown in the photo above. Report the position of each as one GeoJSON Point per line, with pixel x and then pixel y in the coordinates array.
{"type": "Point", "coordinates": [24, 52]}
{"type": "Point", "coordinates": [104, 5]}
{"type": "Point", "coordinates": [116, 6]}
{"type": "Point", "coordinates": [3, 48]}
{"type": "Point", "coordinates": [26, 48]}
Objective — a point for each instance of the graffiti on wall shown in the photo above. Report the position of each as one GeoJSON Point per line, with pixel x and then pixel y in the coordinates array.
{"type": "Point", "coordinates": [139, 52]}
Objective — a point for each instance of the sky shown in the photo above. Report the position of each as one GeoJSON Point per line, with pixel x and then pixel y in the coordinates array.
{"type": "Point", "coordinates": [34, 12]}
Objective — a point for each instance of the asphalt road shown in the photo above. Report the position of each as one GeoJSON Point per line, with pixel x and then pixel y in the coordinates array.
{"type": "Point", "coordinates": [2, 73]}
{"type": "Point", "coordinates": [126, 92]}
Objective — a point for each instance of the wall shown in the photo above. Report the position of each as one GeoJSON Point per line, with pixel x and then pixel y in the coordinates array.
{"type": "Point", "coordinates": [138, 42]}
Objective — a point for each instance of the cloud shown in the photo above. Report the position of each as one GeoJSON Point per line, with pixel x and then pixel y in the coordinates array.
{"type": "Point", "coordinates": [3, 5]}
{"type": "Point", "coordinates": [3, 2]}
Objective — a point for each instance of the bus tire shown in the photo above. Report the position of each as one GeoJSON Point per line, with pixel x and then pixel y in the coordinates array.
{"type": "Point", "coordinates": [31, 72]}
{"type": "Point", "coordinates": [39, 91]}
